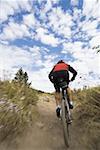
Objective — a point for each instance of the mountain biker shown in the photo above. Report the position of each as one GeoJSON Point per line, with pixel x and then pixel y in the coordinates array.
{"type": "Point", "coordinates": [61, 70]}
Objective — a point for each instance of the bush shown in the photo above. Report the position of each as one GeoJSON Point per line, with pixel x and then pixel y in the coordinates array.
{"type": "Point", "coordinates": [88, 114]}
{"type": "Point", "coordinates": [17, 109]}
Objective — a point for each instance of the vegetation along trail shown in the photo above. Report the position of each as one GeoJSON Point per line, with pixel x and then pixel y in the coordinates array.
{"type": "Point", "coordinates": [46, 132]}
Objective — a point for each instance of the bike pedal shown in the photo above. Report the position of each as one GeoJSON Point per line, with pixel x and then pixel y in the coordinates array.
{"type": "Point", "coordinates": [69, 122]}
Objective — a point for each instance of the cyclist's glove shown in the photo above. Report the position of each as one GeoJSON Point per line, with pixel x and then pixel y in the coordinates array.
{"type": "Point", "coordinates": [52, 79]}
{"type": "Point", "coordinates": [72, 79]}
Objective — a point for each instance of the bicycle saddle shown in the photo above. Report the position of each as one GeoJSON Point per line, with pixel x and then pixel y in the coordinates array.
{"type": "Point", "coordinates": [62, 84]}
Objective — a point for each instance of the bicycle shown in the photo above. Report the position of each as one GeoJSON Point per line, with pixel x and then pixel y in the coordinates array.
{"type": "Point", "coordinates": [65, 111]}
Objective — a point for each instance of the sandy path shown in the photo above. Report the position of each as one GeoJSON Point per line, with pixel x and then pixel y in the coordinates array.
{"type": "Point", "coordinates": [47, 134]}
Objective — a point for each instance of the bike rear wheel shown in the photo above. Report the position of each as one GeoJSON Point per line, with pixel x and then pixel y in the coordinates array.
{"type": "Point", "coordinates": [65, 124]}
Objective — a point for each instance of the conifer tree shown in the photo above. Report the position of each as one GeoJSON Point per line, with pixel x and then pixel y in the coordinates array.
{"type": "Point", "coordinates": [22, 77]}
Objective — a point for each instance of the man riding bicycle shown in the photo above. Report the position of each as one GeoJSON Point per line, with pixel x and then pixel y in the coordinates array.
{"type": "Point", "coordinates": [61, 71]}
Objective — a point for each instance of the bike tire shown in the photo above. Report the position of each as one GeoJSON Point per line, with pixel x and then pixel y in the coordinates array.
{"type": "Point", "coordinates": [64, 124]}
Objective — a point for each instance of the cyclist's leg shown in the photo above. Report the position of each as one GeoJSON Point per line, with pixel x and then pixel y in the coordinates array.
{"type": "Point", "coordinates": [57, 94]}
{"type": "Point", "coordinates": [57, 99]}
{"type": "Point", "coordinates": [58, 75]}
{"type": "Point", "coordinates": [70, 97]}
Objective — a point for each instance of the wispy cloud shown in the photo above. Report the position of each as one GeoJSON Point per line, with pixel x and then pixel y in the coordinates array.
{"type": "Point", "coordinates": [60, 22]}
{"type": "Point", "coordinates": [8, 8]}
{"type": "Point", "coordinates": [45, 37]}
{"type": "Point", "coordinates": [30, 20]}
{"type": "Point", "coordinates": [91, 8]}
{"type": "Point", "coordinates": [36, 34]}
{"type": "Point", "coordinates": [14, 31]}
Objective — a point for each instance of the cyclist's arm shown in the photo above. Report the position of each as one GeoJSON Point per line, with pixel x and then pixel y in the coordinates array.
{"type": "Point", "coordinates": [73, 71]}
{"type": "Point", "coordinates": [51, 75]}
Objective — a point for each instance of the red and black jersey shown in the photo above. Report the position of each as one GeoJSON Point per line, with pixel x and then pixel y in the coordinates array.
{"type": "Point", "coordinates": [60, 66]}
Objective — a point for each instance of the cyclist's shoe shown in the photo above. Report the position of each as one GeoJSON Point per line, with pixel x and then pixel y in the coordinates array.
{"type": "Point", "coordinates": [69, 121]}
{"type": "Point", "coordinates": [58, 112]}
{"type": "Point", "coordinates": [70, 105]}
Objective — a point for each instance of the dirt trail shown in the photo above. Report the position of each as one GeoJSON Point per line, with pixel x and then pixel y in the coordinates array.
{"type": "Point", "coordinates": [46, 134]}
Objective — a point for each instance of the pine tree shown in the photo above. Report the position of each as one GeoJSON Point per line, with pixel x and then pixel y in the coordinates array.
{"type": "Point", "coordinates": [25, 77]}
{"type": "Point", "coordinates": [22, 77]}
{"type": "Point", "coordinates": [97, 48]}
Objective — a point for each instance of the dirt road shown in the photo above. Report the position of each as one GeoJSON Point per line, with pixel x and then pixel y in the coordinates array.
{"type": "Point", "coordinates": [47, 134]}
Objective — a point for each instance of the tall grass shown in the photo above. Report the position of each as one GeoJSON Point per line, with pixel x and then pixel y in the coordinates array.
{"type": "Point", "coordinates": [88, 114]}
{"type": "Point", "coordinates": [17, 108]}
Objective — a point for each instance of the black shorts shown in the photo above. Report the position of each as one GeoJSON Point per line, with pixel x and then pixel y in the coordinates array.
{"type": "Point", "coordinates": [63, 74]}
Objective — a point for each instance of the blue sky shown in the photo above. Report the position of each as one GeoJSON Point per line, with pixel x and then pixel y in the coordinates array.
{"type": "Point", "coordinates": [35, 34]}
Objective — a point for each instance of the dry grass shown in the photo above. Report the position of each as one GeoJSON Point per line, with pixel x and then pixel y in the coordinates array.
{"type": "Point", "coordinates": [88, 115]}
{"type": "Point", "coordinates": [17, 109]}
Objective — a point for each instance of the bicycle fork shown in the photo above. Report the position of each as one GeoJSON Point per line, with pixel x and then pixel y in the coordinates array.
{"type": "Point", "coordinates": [67, 105]}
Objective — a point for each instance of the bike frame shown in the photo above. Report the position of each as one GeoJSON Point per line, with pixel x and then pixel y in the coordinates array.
{"type": "Point", "coordinates": [65, 115]}
{"type": "Point", "coordinates": [65, 98]}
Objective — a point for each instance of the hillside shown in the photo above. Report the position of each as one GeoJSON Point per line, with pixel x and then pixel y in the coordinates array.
{"type": "Point", "coordinates": [87, 114]}
{"type": "Point", "coordinates": [17, 109]}
{"type": "Point", "coordinates": [28, 116]}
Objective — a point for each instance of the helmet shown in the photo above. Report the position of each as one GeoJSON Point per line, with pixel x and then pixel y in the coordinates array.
{"type": "Point", "coordinates": [60, 61]}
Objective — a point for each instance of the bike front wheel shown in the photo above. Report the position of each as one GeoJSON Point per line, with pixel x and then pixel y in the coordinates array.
{"type": "Point", "coordinates": [64, 124]}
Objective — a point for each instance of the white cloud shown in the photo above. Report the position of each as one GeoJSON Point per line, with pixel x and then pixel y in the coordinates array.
{"type": "Point", "coordinates": [45, 37]}
{"type": "Point", "coordinates": [77, 13]}
{"type": "Point", "coordinates": [14, 31]}
{"type": "Point", "coordinates": [5, 10]}
{"type": "Point", "coordinates": [40, 78]}
{"type": "Point", "coordinates": [10, 7]}
{"type": "Point", "coordinates": [36, 55]}
{"type": "Point", "coordinates": [86, 61]}
{"type": "Point", "coordinates": [84, 67]}
{"type": "Point", "coordinates": [72, 47]}
{"type": "Point", "coordinates": [47, 7]}
{"type": "Point", "coordinates": [12, 57]}
{"type": "Point", "coordinates": [91, 8]}
{"type": "Point", "coordinates": [25, 5]}
{"type": "Point", "coordinates": [52, 1]}
{"type": "Point", "coordinates": [41, 81]}
{"type": "Point", "coordinates": [95, 41]}
{"type": "Point", "coordinates": [29, 20]}
{"type": "Point", "coordinates": [4, 42]}
{"type": "Point", "coordinates": [90, 25]}
{"type": "Point", "coordinates": [60, 22]}
{"type": "Point", "coordinates": [38, 61]}
{"type": "Point", "coordinates": [89, 59]}
{"type": "Point", "coordinates": [49, 39]}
